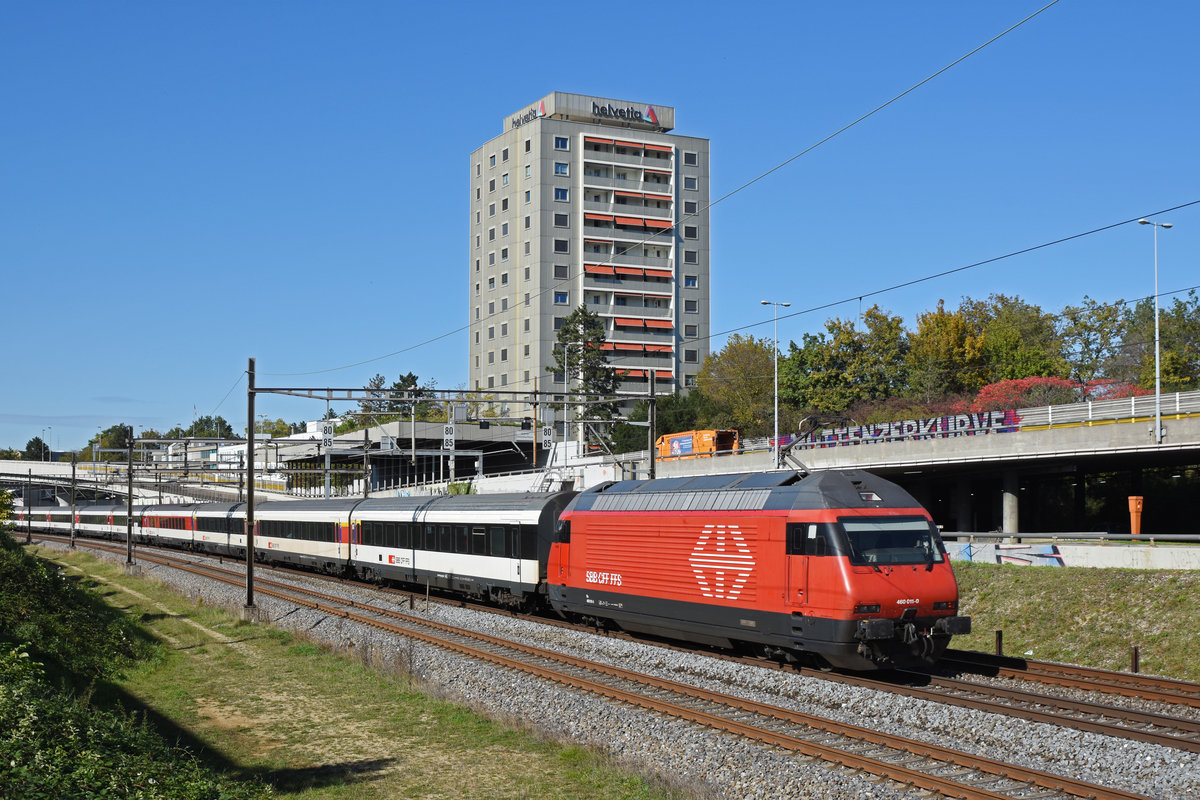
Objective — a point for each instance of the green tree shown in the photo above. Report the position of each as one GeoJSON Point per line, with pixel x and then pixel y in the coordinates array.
{"type": "Point", "coordinates": [1019, 339]}
{"type": "Point", "coordinates": [579, 357]}
{"type": "Point", "coordinates": [944, 357]}
{"type": "Point", "coordinates": [842, 366]}
{"type": "Point", "coordinates": [739, 380]}
{"type": "Point", "coordinates": [36, 449]}
{"type": "Point", "coordinates": [1089, 334]}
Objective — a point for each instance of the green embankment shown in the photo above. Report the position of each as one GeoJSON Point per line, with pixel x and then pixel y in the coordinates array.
{"type": "Point", "coordinates": [260, 705]}
{"type": "Point", "coordinates": [1085, 616]}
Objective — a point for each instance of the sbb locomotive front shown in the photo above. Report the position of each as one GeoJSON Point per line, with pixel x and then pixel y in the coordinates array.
{"type": "Point", "coordinates": [840, 567]}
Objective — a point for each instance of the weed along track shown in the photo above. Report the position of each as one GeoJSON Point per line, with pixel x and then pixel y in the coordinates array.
{"type": "Point", "coordinates": [884, 755]}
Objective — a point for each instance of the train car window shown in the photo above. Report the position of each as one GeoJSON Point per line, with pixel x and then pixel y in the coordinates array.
{"type": "Point", "coordinates": [402, 535]}
{"type": "Point", "coordinates": [891, 540]}
{"type": "Point", "coordinates": [496, 539]}
{"type": "Point", "coordinates": [389, 535]}
{"type": "Point", "coordinates": [430, 537]}
{"type": "Point", "coordinates": [479, 541]}
{"type": "Point", "coordinates": [445, 539]}
{"type": "Point", "coordinates": [529, 541]}
{"type": "Point", "coordinates": [462, 541]}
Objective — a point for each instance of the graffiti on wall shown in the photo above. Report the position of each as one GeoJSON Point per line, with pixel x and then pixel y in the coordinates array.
{"type": "Point", "coordinates": [1042, 555]}
{"type": "Point", "coordinates": [946, 427]}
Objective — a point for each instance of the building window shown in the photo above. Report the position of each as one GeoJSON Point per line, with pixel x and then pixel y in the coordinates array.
{"type": "Point", "coordinates": [504, 180]}
{"type": "Point", "coordinates": [527, 300]}
{"type": "Point", "coordinates": [504, 329]}
{"type": "Point", "coordinates": [504, 354]}
{"type": "Point", "coordinates": [561, 272]}
{"type": "Point", "coordinates": [477, 290]}
{"type": "Point", "coordinates": [477, 240]}
{"type": "Point", "coordinates": [504, 379]}
{"type": "Point", "coordinates": [491, 382]}
{"type": "Point", "coordinates": [560, 143]}
{"type": "Point", "coordinates": [491, 234]}
{"type": "Point", "coordinates": [476, 312]}
{"type": "Point", "coordinates": [504, 254]}
{"type": "Point", "coordinates": [527, 273]}
{"type": "Point", "coordinates": [527, 356]}
{"type": "Point", "coordinates": [689, 356]}
{"type": "Point", "coordinates": [478, 170]}
{"type": "Point", "coordinates": [527, 248]}
{"type": "Point", "coordinates": [504, 229]}
{"type": "Point", "coordinates": [492, 185]}
{"type": "Point", "coordinates": [528, 171]}
{"type": "Point", "coordinates": [690, 282]}
{"type": "Point", "coordinates": [689, 381]}
{"type": "Point", "coordinates": [690, 306]}
{"type": "Point", "coordinates": [492, 160]}
{"type": "Point", "coordinates": [491, 209]}
{"type": "Point", "coordinates": [477, 262]}
{"type": "Point", "coordinates": [526, 195]}
{"type": "Point", "coordinates": [478, 218]}
{"type": "Point", "coordinates": [491, 283]}
{"type": "Point", "coordinates": [491, 331]}
{"type": "Point", "coordinates": [527, 323]}
{"type": "Point", "coordinates": [690, 159]}
{"type": "Point", "coordinates": [504, 304]}
{"type": "Point", "coordinates": [562, 195]}
{"type": "Point", "coordinates": [561, 298]}
{"type": "Point", "coordinates": [492, 259]}
{"type": "Point", "coordinates": [527, 222]}
{"type": "Point", "coordinates": [504, 154]}
{"type": "Point", "coordinates": [689, 182]}
{"type": "Point", "coordinates": [691, 257]}
{"type": "Point", "coordinates": [561, 220]}
{"type": "Point", "coordinates": [491, 308]}
{"type": "Point", "coordinates": [476, 192]}
{"type": "Point", "coordinates": [560, 168]}
{"type": "Point", "coordinates": [504, 204]}
{"type": "Point", "coordinates": [504, 279]}
{"type": "Point", "coordinates": [558, 323]}
{"type": "Point", "coordinates": [690, 331]}
{"type": "Point", "coordinates": [690, 206]}
{"type": "Point", "coordinates": [689, 231]}
{"type": "Point", "coordinates": [562, 246]}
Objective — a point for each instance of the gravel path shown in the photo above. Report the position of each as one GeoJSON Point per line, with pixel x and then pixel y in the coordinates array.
{"type": "Point", "coordinates": [705, 763]}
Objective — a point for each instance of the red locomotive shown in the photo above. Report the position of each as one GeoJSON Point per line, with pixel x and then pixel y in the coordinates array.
{"type": "Point", "coordinates": [839, 567]}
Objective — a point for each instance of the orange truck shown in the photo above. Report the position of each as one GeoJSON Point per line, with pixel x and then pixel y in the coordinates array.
{"type": "Point", "coordinates": [696, 444]}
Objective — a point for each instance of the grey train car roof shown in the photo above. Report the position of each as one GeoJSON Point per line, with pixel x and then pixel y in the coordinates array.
{"type": "Point", "coordinates": [757, 491]}
{"type": "Point", "coordinates": [464, 502]}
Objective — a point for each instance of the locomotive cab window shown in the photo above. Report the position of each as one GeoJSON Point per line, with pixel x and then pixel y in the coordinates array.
{"type": "Point", "coordinates": [809, 539]}
{"type": "Point", "coordinates": [563, 532]}
{"type": "Point", "coordinates": [876, 541]}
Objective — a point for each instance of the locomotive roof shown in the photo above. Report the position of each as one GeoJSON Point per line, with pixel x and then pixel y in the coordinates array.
{"type": "Point", "coordinates": [756, 491]}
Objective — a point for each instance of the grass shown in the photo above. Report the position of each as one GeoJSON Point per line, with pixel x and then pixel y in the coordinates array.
{"type": "Point", "coordinates": [1085, 616]}
{"type": "Point", "coordinates": [262, 703]}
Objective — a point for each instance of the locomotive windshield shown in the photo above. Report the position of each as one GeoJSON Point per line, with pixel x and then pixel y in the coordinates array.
{"type": "Point", "coordinates": [890, 540]}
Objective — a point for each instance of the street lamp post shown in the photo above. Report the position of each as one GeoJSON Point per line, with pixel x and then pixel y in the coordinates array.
{"type": "Point", "coordinates": [775, 363]}
{"type": "Point", "coordinates": [1158, 431]}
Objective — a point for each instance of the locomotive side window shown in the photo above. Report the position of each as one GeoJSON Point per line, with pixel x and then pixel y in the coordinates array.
{"type": "Point", "coordinates": [891, 540]}
{"type": "Point", "coordinates": [809, 539]}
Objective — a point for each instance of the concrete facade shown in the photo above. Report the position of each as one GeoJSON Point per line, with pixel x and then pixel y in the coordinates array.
{"type": "Point", "coordinates": [588, 201]}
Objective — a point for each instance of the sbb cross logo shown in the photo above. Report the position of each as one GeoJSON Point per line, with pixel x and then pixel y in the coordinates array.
{"type": "Point", "coordinates": [722, 562]}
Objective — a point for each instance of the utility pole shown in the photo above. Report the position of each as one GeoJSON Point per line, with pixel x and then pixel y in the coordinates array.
{"type": "Point", "coordinates": [129, 502]}
{"type": "Point", "coordinates": [249, 609]}
{"type": "Point", "coordinates": [73, 455]}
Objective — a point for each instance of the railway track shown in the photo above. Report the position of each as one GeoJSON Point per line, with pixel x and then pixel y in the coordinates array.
{"type": "Point", "coordinates": [918, 764]}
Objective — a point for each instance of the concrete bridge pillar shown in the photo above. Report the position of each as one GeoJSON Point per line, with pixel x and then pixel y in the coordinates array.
{"type": "Point", "coordinates": [963, 517]}
{"type": "Point", "coordinates": [1010, 522]}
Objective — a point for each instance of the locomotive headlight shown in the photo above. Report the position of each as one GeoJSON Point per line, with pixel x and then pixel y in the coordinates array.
{"type": "Point", "coordinates": [866, 608]}
{"type": "Point", "coordinates": [944, 605]}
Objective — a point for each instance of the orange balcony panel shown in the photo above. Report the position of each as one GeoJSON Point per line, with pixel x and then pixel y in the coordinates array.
{"type": "Point", "coordinates": [661, 148]}
{"type": "Point", "coordinates": [597, 140]}
{"type": "Point", "coordinates": [635, 145]}
{"type": "Point", "coordinates": [658, 348]}
{"type": "Point", "coordinates": [635, 194]}
{"type": "Point", "coordinates": [629, 346]}
{"type": "Point", "coordinates": [628, 322]}
{"type": "Point", "coordinates": [657, 223]}
{"type": "Point", "coordinates": [598, 269]}
{"type": "Point", "coordinates": [602, 217]}
{"type": "Point", "coordinates": [630, 221]}
{"type": "Point", "coordinates": [659, 323]}
{"type": "Point", "coordinates": [658, 273]}
{"type": "Point", "coordinates": [630, 271]}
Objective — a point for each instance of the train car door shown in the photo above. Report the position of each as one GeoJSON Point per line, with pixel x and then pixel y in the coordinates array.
{"type": "Point", "coordinates": [797, 563]}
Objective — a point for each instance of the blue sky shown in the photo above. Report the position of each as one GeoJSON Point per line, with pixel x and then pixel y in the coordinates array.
{"type": "Point", "coordinates": [184, 186]}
